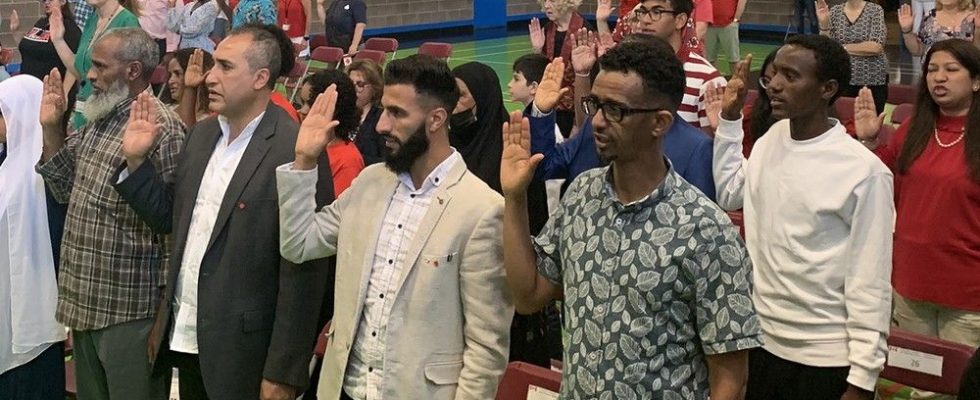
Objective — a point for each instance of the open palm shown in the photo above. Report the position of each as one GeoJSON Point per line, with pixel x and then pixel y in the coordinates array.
{"type": "Point", "coordinates": [194, 74]}
{"type": "Point", "coordinates": [823, 12]}
{"type": "Point", "coordinates": [584, 52]}
{"type": "Point", "coordinates": [736, 90]}
{"type": "Point", "coordinates": [905, 18]}
{"type": "Point", "coordinates": [549, 89]}
{"type": "Point", "coordinates": [141, 131]}
{"type": "Point", "coordinates": [53, 100]}
{"type": "Point", "coordinates": [516, 163]}
{"type": "Point", "coordinates": [867, 122]}
{"type": "Point", "coordinates": [317, 128]}
{"type": "Point", "coordinates": [537, 35]}
{"type": "Point", "coordinates": [714, 95]}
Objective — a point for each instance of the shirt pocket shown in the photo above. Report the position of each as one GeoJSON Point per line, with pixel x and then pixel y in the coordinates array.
{"type": "Point", "coordinates": [444, 372]}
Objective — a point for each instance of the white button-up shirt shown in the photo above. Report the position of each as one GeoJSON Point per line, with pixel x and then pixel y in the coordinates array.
{"type": "Point", "coordinates": [221, 167]}
{"type": "Point", "coordinates": [365, 370]}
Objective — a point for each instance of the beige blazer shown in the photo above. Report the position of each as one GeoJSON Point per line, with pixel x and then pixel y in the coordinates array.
{"type": "Point", "coordinates": [449, 332]}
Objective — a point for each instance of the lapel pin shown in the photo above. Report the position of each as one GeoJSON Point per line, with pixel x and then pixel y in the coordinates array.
{"type": "Point", "coordinates": [241, 205]}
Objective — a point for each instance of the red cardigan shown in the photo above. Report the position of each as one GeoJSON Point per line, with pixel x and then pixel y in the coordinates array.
{"type": "Point", "coordinates": [567, 102]}
{"type": "Point", "coordinates": [937, 232]}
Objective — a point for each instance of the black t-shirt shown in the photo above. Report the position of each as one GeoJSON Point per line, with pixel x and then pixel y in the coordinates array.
{"type": "Point", "coordinates": [37, 52]}
{"type": "Point", "coordinates": [342, 17]}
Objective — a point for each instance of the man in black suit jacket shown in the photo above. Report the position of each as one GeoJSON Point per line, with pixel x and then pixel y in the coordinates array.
{"type": "Point", "coordinates": [237, 320]}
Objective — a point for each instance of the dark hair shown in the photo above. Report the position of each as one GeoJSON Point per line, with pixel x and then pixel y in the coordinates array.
{"type": "Point", "coordinates": [429, 76]}
{"type": "Point", "coordinates": [271, 49]}
{"type": "Point", "coordinates": [654, 61]}
{"type": "Point", "coordinates": [373, 75]}
{"type": "Point", "coordinates": [761, 118]}
{"type": "Point", "coordinates": [67, 13]}
{"type": "Point", "coordinates": [685, 7]}
{"type": "Point", "coordinates": [833, 62]}
{"type": "Point", "coordinates": [923, 121]}
{"type": "Point", "coordinates": [531, 66]}
{"type": "Point", "coordinates": [346, 112]}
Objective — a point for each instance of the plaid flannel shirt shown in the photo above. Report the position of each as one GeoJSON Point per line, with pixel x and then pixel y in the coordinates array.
{"type": "Point", "coordinates": [82, 11]}
{"type": "Point", "coordinates": [113, 266]}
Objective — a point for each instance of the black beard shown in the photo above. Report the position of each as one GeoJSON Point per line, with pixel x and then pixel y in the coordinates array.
{"type": "Point", "coordinates": [401, 160]}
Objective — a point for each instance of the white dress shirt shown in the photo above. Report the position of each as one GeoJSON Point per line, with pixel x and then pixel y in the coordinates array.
{"type": "Point", "coordinates": [221, 167]}
{"type": "Point", "coordinates": [363, 379]}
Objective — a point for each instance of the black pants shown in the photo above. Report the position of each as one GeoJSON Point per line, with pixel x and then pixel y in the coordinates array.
{"type": "Point", "coordinates": [43, 378]}
{"type": "Point", "coordinates": [565, 120]}
{"type": "Point", "coordinates": [773, 378]}
{"type": "Point", "coordinates": [188, 374]}
{"type": "Point", "coordinates": [344, 396]}
{"type": "Point", "coordinates": [879, 92]}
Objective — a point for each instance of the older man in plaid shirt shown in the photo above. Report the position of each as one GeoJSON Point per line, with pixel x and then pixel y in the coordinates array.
{"type": "Point", "coordinates": [112, 264]}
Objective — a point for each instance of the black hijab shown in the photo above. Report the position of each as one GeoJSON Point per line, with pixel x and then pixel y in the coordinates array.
{"type": "Point", "coordinates": [481, 143]}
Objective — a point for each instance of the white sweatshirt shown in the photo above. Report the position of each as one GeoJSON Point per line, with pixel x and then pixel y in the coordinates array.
{"type": "Point", "coordinates": [819, 216]}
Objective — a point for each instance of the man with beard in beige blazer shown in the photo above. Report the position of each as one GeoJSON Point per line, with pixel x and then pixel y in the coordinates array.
{"type": "Point", "coordinates": [422, 306]}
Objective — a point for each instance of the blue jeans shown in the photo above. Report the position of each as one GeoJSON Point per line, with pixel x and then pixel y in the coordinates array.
{"type": "Point", "coordinates": [41, 379]}
{"type": "Point", "coordinates": [802, 10]}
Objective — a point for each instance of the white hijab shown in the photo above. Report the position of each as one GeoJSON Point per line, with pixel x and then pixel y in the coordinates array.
{"type": "Point", "coordinates": [29, 261]}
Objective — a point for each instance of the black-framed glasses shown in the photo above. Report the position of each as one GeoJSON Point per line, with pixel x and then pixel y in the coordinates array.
{"type": "Point", "coordinates": [764, 82]}
{"type": "Point", "coordinates": [654, 13]}
{"type": "Point", "coordinates": [612, 111]}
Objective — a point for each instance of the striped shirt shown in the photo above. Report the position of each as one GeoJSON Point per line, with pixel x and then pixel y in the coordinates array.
{"type": "Point", "coordinates": [112, 264]}
{"type": "Point", "coordinates": [698, 73]}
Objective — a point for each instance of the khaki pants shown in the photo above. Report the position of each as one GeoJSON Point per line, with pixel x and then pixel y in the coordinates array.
{"type": "Point", "coordinates": [930, 319]}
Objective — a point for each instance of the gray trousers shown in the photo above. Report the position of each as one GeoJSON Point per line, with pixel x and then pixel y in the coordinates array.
{"type": "Point", "coordinates": [111, 364]}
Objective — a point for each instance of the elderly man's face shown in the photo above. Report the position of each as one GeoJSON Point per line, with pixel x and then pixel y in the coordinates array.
{"type": "Point", "coordinates": [107, 69]}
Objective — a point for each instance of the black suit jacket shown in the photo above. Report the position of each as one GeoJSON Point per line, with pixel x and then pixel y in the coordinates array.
{"type": "Point", "coordinates": [258, 315]}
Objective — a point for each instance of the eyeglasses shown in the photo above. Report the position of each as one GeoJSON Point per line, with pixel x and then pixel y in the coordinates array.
{"type": "Point", "coordinates": [612, 111]}
{"type": "Point", "coordinates": [764, 82]}
{"type": "Point", "coordinates": [654, 13]}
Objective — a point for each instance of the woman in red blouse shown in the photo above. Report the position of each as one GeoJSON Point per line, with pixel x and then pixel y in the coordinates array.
{"type": "Point", "coordinates": [345, 160]}
{"type": "Point", "coordinates": [935, 156]}
{"type": "Point", "coordinates": [293, 17]}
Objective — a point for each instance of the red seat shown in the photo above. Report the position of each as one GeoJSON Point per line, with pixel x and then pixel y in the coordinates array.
{"type": "Point", "coordinates": [902, 112]}
{"type": "Point", "coordinates": [318, 40]}
{"type": "Point", "coordinates": [885, 134]}
{"type": "Point", "coordinates": [373, 55]}
{"type": "Point", "coordinates": [294, 77]}
{"type": "Point", "coordinates": [387, 45]}
{"type": "Point", "coordinates": [845, 110]}
{"type": "Point", "coordinates": [901, 94]}
{"type": "Point", "coordinates": [738, 219]}
{"type": "Point", "coordinates": [436, 49]}
{"type": "Point", "coordinates": [751, 96]}
{"type": "Point", "coordinates": [910, 357]}
{"type": "Point", "coordinates": [329, 55]}
{"type": "Point", "coordinates": [520, 377]}
{"type": "Point", "coordinates": [159, 78]}
{"type": "Point", "coordinates": [321, 341]}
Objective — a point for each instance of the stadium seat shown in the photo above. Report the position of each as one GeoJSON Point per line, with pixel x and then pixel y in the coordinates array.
{"type": "Point", "coordinates": [885, 134]}
{"type": "Point", "coordinates": [751, 96]}
{"type": "Point", "coordinates": [845, 110]}
{"type": "Point", "coordinates": [373, 55]}
{"type": "Point", "coordinates": [520, 378]}
{"type": "Point", "coordinates": [318, 40]}
{"type": "Point", "coordinates": [387, 45]}
{"type": "Point", "coordinates": [330, 55]}
{"type": "Point", "coordinates": [159, 78]}
{"type": "Point", "coordinates": [295, 77]}
{"type": "Point", "coordinates": [925, 362]}
{"type": "Point", "coordinates": [902, 112]}
{"type": "Point", "coordinates": [321, 341]}
{"type": "Point", "coordinates": [901, 94]}
{"type": "Point", "coordinates": [437, 49]}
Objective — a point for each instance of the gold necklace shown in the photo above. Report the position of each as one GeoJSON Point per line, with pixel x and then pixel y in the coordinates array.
{"type": "Point", "coordinates": [935, 133]}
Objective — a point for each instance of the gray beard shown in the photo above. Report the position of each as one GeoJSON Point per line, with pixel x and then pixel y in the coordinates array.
{"type": "Point", "coordinates": [100, 103]}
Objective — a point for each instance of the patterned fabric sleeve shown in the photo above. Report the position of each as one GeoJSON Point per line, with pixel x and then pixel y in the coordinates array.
{"type": "Point", "coordinates": [200, 21]}
{"type": "Point", "coordinates": [726, 319]}
{"type": "Point", "coordinates": [547, 245]}
{"type": "Point", "coordinates": [166, 155]}
{"type": "Point", "coordinates": [59, 172]}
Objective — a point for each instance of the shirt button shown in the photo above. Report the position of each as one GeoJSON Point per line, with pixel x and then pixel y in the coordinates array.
{"type": "Point", "coordinates": [412, 196]}
{"type": "Point", "coordinates": [593, 356]}
{"type": "Point", "coordinates": [599, 309]}
{"type": "Point", "coordinates": [381, 295]}
{"type": "Point", "coordinates": [370, 369]}
{"type": "Point", "coordinates": [437, 180]}
{"type": "Point", "coordinates": [399, 226]}
{"type": "Point", "coordinates": [373, 334]}
{"type": "Point", "coordinates": [391, 262]}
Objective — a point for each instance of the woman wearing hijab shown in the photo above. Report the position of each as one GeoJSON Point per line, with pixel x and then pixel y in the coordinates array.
{"type": "Point", "coordinates": [474, 131]}
{"type": "Point", "coordinates": [31, 354]}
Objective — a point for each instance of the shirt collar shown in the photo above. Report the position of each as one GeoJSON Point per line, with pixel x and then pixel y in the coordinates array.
{"type": "Point", "coordinates": [435, 178]}
{"type": "Point", "coordinates": [246, 133]}
{"type": "Point", "coordinates": [658, 194]}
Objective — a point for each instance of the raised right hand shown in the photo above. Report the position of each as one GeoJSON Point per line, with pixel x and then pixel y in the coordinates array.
{"type": "Point", "coordinates": [53, 102]}
{"type": "Point", "coordinates": [537, 35]}
{"type": "Point", "coordinates": [141, 131]}
{"type": "Point", "coordinates": [516, 162]}
{"type": "Point", "coordinates": [194, 74]}
{"type": "Point", "coordinates": [584, 52]}
{"type": "Point", "coordinates": [823, 13]}
{"type": "Point", "coordinates": [714, 96]}
{"type": "Point", "coordinates": [603, 10]}
{"type": "Point", "coordinates": [549, 89]}
{"type": "Point", "coordinates": [867, 122]}
{"type": "Point", "coordinates": [736, 91]}
{"type": "Point", "coordinates": [905, 18]}
{"type": "Point", "coordinates": [316, 130]}
{"type": "Point", "coordinates": [56, 25]}
{"type": "Point", "coordinates": [14, 21]}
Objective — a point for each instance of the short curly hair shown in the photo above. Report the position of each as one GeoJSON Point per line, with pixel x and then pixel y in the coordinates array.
{"type": "Point", "coordinates": [562, 6]}
{"type": "Point", "coordinates": [833, 62]}
{"type": "Point", "coordinates": [654, 61]}
{"type": "Point", "coordinates": [346, 111]}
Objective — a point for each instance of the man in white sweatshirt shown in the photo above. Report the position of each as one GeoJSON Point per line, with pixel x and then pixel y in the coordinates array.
{"type": "Point", "coordinates": [818, 222]}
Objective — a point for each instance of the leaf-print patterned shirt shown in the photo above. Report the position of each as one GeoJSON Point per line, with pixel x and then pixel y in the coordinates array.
{"type": "Point", "coordinates": [651, 288]}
